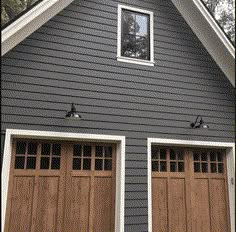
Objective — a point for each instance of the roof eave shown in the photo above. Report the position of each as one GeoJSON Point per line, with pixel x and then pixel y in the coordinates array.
{"type": "Point", "coordinates": [210, 34]}
{"type": "Point", "coordinates": [30, 22]}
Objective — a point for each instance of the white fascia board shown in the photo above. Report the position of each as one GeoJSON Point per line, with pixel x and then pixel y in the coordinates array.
{"type": "Point", "coordinates": [210, 34]}
{"type": "Point", "coordinates": [30, 22]}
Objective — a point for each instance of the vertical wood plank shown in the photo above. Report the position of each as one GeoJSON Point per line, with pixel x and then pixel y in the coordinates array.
{"type": "Point", "coordinates": [102, 204]}
{"type": "Point", "coordinates": [159, 204]}
{"type": "Point", "coordinates": [47, 204]}
{"type": "Point", "coordinates": [177, 205]}
{"type": "Point", "coordinates": [77, 205]}
{"type": "Point", "coordinates": [200, 206]}
{"type": "Point", "coordinates": [22, 200]}
{"type": "Point", "coordinates": [218, 206]}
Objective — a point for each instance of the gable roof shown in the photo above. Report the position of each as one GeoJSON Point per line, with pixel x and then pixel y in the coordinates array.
{"type": "Point", "coordinates": [30, 22]}
{"type": "Point", "coordinates": [210, 34]}
{"type": "Point", "coordinates": [194, 12]}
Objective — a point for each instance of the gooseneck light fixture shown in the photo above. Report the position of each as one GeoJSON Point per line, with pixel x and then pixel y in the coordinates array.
{"type": "Point", "coordinates": [73, 114]}
{"type": "Point", "coordinates": [199, 123]}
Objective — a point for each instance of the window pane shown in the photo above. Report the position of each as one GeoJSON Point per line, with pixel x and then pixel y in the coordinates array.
{"type": "Point", "coordinates": [204, 167]}
{"type": "Point", "coordinates": [87, 151]}
{"type": "Point", "coordinates": [76, 164]}
{"type": "Point", "coordinates": [99, 151]}
{"type": "Point", "coordinates": [108, 164]}
{"type": "Point", "coordinates": [163, 166]}
{"type": "Point", "coordinates": [55, 163]}
{"type": "Point", "coordinates": [196, 156]}
{"type": "Point", "coordinates": [44, 163]}
{"type": "Point", "coordinates": [142, 47]}
{"type": "Point", "coordinates": [142, 25]}
{"type": "Point", "coordinates": [181, 167]}
{"type": "Point", "coordinates": [163, 154]}
{"type": "Point", "coordinates": [77, 150]}
{"type": "Point", "coordinates": [98, 164]}
{"type": "Point", "coordinates": [219, 157]}
{"type": "Point", "coordinates": [204, 156]}
{"type": "Point", "coordinates": [172, 166]}
{"type": "Point", "coordinates": [128, 22]}
{"type": "Point", "coordinates": [108, 151]}
{"type": "Point", "coordinates": [128, 46]}
{"type": "Point", "coordinates": [32, 148]}
{"type": "Point", "coordinates": [196, 167]}
{"type": "Point", "coordinates": [213, 168]}
{"type": "Point", "coordinates": [155, 166]}
{"type": "Point", "coordinates": [19, 162]}
{"type": "Point", "coordinates": [56, 149]}
{"type": "Point", "coordinates": [180, 155]}
{"type": "Point", "coordinates": [172, 155]}
{"type": "Point", "coordinates": [154, 152]}
{"type": "Point", "coordinates": [87, 164]}
{"type": "Point", "coordinates": [31, 163]}
{"type": "Point", "coordinates": [221, 168]}
{"type": "Point", "coordinates": [45, 150]}
{"type": "Point", "coordinates": [212, 156]}
{"type": "Point", "coordinates": [20, 147]}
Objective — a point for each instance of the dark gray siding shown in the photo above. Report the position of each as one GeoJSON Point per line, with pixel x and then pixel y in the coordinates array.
{"type": "Point", "coordinates": [72, 58]}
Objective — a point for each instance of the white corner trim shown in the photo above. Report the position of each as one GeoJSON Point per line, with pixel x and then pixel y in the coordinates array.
{"type": "Point", "coordinates": [120, 164]}
{"type": "Point", "coordinates": [128, 59]}
{"type": "Point", "coordinates": [230, 153]}
{"type": "Point", "coordinates": [30, 21]}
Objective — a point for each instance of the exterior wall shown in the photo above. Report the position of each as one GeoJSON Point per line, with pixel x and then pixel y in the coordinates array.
{"type": "Point", "coordinates": [72, 58]}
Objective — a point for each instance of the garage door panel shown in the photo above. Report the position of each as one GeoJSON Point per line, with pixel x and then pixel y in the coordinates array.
{"type": "Point", "coordinates": [78, 206]}
{"type": "Point", "coordinates": [177, 205]}
{"type": "Point", "coordinates": [200, 206]}
{"type": "Point", "coordinates": [159, 204]}
{"type": "Point", "coordinates": [22, 201]}
{"type": "Point", "coordinates": [218, 205]}
{"type": "Point", "coordinates": [103, 210]}
{"type": "Point", "coordinates": [47, 204]}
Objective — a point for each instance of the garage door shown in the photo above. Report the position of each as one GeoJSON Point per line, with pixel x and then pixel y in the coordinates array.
{"type": "Point", "coordinates": [189, 190]}
{"type": "Point", "coordinates": [58, 186]}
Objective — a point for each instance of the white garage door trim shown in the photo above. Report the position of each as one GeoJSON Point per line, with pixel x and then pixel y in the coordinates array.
{"type": "Point", "coordinates": [120, 163]}
{"type": "Point", "coordinates": [230, 157]}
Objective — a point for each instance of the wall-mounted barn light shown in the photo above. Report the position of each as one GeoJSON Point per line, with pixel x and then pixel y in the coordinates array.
{"type": "Point", "coordinates": [73, 114]}
{"type": "Point", "coordinates": [199, 123]}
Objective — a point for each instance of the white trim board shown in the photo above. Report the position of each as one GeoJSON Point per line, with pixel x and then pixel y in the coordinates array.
{"type": "Point", "coordinates": [130, 59]}
{"type": "Point", "coordinates": [230, 154]}
{"type": "Point", "coordinates": [30, 22]}
{"type": "Point", "coordinates": [120, 164]}
{"type": "Point", "coordinates": [210, 34]}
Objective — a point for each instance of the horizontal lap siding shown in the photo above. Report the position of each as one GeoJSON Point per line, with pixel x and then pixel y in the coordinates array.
{"type": "Point", "coordinates": [72, 58]}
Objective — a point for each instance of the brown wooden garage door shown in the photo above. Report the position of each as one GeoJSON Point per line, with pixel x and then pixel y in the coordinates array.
{"type": "Point", "coordinates": [189, 190]}
{"type": "Point", "coordinates": [58, 186]}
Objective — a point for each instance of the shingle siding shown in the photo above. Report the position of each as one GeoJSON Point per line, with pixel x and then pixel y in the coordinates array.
{"type": "Point", "coordinates": [72, 58]}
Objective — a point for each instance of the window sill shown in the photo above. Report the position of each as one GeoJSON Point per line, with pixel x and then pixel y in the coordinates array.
{"type": "Point", "coordinates": [135, 61]}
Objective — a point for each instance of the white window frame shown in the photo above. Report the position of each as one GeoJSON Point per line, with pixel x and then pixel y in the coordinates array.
{"type": "Point", "coordinates": [230, 160]}
{"type": "Point", "coordinates": [120, 164]}
{"type": "Point", "coordinates": [128, 59]}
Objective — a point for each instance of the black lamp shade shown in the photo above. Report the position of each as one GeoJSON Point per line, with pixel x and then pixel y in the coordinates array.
{"type": "Point", "coordinates": [73, 114]}
{"type": "Point", "coordinates": [199, 124]}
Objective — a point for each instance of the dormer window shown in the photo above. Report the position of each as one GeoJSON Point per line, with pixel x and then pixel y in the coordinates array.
{"type": "Point", "coordinates": [135, 36]}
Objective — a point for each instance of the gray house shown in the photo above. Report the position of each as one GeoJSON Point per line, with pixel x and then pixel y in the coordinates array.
{"type": "Point", "coordinates": [117, 116]}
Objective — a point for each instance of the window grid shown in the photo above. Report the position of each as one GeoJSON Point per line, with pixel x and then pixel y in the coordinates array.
{"type": "Point", "coordinates": [208, 161]}
{"type": "Point", "coordinates": [26, 154]}
{"type": "Point", "coordinates": [167, 160]}
{"type": "Point", "coordinates": [83, 156]}
{"type": "Point", "coordinates": [50, 156]}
